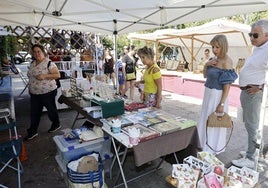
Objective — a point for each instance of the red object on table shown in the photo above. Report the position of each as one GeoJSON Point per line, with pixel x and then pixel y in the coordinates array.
{"type": "Point", "coordinates": [134, 106]}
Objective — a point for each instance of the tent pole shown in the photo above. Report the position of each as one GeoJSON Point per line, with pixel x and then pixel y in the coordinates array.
{"type": "Point", "coordinates": [115, 55]}
{"type": "Point", "coordinates": [96, 56]}
{"type": "Point", "coordinates": [192, 54]}
{"type": "Point", "coordinates": [156, 51]}
{"type": "Point", "coordinates": [245, 40]}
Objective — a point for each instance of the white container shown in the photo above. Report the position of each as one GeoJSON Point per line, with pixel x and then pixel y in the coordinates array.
{"type": "Point", "coordinates": [247, 176]}
{"type": "Point", "coordinates": [213, 160]}
{"type": "Point", "coordinates": [196, 163]}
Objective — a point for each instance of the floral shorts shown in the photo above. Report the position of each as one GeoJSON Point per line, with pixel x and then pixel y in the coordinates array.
{"type": "Point", "coordinates": [150, 100]}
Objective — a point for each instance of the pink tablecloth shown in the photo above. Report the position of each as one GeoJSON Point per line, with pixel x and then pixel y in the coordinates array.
{"type": "Point", "coordinates": [189, 87]}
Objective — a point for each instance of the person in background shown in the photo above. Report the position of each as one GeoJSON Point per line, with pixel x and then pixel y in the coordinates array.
{"type": "Point", "coordinates": [109, 66]}
{"type": "Point", "coordinates": [152, 78]}
{"type": "Point", "coordinates": [43, 91]}
{"type": "Point", "coordinates": [207, 55]}
{"type": "Point", "coordinates": [251, 82]}
{"type": "Point", "coordinates": [100, 56]}
{"type": "Point", "coordinates": [129, 68]}
{"type": "Point", "coordinates": [125, 51]}
{"type": "Point", "coordinates": [204, 59]}
{"type": "Point", "coordinates": [121, 75]}
{"type": "Point", "coordinates": [219, 74]}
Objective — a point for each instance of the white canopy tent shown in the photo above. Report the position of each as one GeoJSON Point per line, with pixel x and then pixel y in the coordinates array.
{"type": "Point", "coordinates": [119, 16]}
{"type": "Point", "coordinates": [196, 38]}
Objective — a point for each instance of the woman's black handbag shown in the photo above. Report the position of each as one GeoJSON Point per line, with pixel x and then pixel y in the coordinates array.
{"type": "Point", "coordinates": [57, 80]}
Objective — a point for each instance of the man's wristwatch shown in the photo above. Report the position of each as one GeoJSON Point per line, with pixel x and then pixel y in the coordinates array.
{"type": "Point", "coordinates": [222, 104]}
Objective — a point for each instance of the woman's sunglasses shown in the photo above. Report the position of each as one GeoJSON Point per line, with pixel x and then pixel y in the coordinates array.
{"type": "Point", "coordinates": [254, 35]}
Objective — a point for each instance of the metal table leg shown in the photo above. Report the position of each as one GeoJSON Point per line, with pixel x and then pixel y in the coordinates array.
{"type": "Point", "coordinates": [122, 163]}
{"type": "Point", "coordinates": [76, 117]}
{"type": "Point", "coordinates": [119, 163]}
{"type": "Point", "coordinates": [114, 158]}
{"type": "Point", "coordinates": [144, 174]}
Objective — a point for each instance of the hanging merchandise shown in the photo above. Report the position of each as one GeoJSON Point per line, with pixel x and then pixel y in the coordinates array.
{"type": "Point", "coordinates": [77, 40]}
{"type": "Point", "coordinates": [58, 39]}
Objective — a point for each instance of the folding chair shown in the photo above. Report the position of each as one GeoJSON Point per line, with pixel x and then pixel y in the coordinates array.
{"type": "Point", "coordinates": [5, 113]}
{"type": "Point", "coordinates": [10, 150]}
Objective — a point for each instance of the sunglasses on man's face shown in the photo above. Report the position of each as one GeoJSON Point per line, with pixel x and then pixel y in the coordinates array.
{"type": "Point", "coordinates": [254, 35]}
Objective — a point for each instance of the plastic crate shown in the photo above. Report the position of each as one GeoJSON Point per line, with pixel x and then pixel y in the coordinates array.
{"type": "Point", "coordinates": [72, 149]}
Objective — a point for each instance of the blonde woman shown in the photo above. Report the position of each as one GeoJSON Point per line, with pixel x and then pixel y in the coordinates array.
{"type": "Point", "coordinates": [219, 74]}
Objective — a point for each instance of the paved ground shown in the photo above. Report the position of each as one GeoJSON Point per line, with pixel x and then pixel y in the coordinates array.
{"type": "Point", "coordinates": [41, 169]}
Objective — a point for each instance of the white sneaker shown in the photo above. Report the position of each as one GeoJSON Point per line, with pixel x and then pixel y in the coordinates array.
{"type": "Point", "coordinates": [261, 156]}
{"type": "Point", "coordinates": [243, 162]}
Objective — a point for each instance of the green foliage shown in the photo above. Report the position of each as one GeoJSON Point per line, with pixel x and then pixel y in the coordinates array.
{"type": "Point", "coordinates": [107, 42]}
{"type": "Point", "coordinates": [11, 45]}
{"type": "Point", "coordinates": [8, 46]}
{"type": "Point", "coordinates": [3, 52]}
{"type": "Point", "coordinates": [258, 16]}
{"type": "Point", "coordinates": [122, 41]}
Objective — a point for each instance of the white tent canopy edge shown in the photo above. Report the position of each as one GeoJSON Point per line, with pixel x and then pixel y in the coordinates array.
{"type": "Point", "coordinates": [193, 39]}
{"type": "Point", "coordinates": [100, 16]}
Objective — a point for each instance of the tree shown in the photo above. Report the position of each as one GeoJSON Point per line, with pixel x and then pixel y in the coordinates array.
{"type": "Point", "coordinates": [107, 42]}
{"type": "Point", "coordinates": [3, 52]}
{"type": "Point", "coordinates": [122, 40]}
{"type": "Point", "coordinates": [8, 45]}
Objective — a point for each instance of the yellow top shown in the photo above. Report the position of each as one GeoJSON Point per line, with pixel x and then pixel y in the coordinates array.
{"type": "Point", "coordinates": [149, 76]}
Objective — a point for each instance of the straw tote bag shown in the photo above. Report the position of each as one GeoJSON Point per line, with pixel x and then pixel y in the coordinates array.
{"type": "Point", "coordinates": [217, 120]}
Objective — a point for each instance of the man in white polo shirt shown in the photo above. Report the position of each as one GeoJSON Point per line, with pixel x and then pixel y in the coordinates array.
{"type": "Point", "coordinates": [251, 81]}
